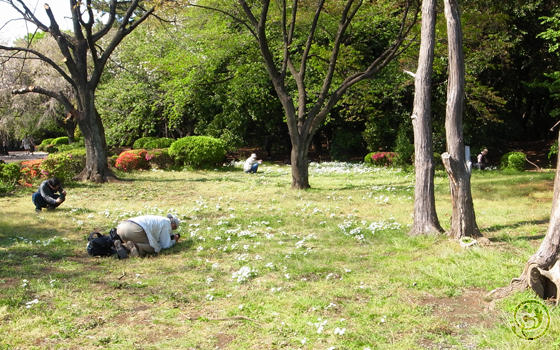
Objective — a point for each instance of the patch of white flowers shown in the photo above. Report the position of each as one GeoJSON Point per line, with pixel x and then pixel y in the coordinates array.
{"type": "Point", "coordinates": [244, 274]}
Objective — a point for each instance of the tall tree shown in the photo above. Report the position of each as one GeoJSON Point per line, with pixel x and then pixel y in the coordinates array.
{"type": "Point", "coordinates": [306, 111]}
{"type": "Point", "coordinates": [463, 222]}
{"type": "Point", "coordinates": [86, 52]}
{"type": "Point", "coordinates": [425, 215]}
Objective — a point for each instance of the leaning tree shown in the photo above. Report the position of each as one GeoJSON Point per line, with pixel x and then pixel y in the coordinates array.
{"type": "Point", "coordinates": [303, 59]}
{"type": "Point", "coordinates": [85, 54]}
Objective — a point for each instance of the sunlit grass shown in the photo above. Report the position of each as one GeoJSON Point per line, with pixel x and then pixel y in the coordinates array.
{"type": "Point", "coordinates": [261, 266]}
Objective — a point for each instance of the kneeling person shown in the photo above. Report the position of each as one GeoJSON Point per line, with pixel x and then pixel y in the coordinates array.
{"type": "Point", "coordinates": [46, 196]}
{"type": "Point", "coordinates": [148, 234]}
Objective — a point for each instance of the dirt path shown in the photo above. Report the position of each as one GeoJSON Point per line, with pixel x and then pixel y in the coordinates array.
{"type": "Point", "coordinates": [18, 156]}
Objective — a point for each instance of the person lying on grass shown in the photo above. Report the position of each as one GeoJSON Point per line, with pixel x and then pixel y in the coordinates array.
{"type": "Point", "coordinates": [46, 196]}
{"type": "Point", "coordinates": [147, 234]}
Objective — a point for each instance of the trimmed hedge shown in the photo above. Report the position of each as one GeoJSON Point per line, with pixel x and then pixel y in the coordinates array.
{"type": "Point", "coordinates": [513, 161]}
{"type": "Point", "coordinates": [141, 142]}
{"type": "Point", "coordinates": [198, 151]}
{"type": "Point", "coordinates": [160, 143]}
{"type": "Point", "coordinates": [63, 140]}
{"type": "Point", "coordinates": [159, 158]}
{"type": "Point", "coordinates": [10, 174]}
{"type": "Point", "coordinates": [64, 165]}
{"type": "Point", "coordinates": [132, 160]}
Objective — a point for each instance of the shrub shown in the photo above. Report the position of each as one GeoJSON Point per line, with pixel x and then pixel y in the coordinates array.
{"type": "Point", "coordinates": [380, 158]}
{"type": "Point", "coordinates": [112, 160]}
{"type": "Point", "coordinates": [63, 140]}
{"type": "Point", "coordinates": [51, 149]}
{"type": "Point", "coordinates": [9, 176]}
{"type": "Point", "coordinates": [31, 171]}
{"type": "Point", "coordinates": [198, 151]}
{"type": "Point", "coordinates": [513, 161]}
{"type": "Point", "coordinates": [404, 148]}
{"type": "Point", "coordinates": [46, 142]}
{"type": "Point", "coordinates": [78, 144]}
{"type": "Point", "coordinates": [132, 160]}
{"type": "Point", "coordinates": [141, 142]}
{"type": "Point", "coordinates": [64, 165]}
{"type": "Point", "coordinates": [159, 158]}
{"type": "Point", "coordinates": [163, 142]}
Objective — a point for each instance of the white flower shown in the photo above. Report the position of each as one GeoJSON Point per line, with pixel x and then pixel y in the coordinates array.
{"type": "Point", "coordinates": [243, 274]}
{"type": "Point", "coordinates": [209, 297]}
{"type": "Point", "coordinates": [199, 249]}
{"type": "Point", "coordinates": [287, 276]}
{"type": "Point", "coordinates": [339, 331]}
{"type": "Point", "coordinates": [240, 306]}
{"type": "Point", "coordinates": [304, 340]}
{"type": "Point", "coordinates": [30, 303]}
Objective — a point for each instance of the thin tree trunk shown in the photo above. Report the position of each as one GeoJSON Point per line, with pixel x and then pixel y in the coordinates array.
{"type": "Point", "coordinates": [539, 273]}
{"type": "Point", "coordinates": [425, 215]}
{"type": "Point", "coordinates": [463, 221]}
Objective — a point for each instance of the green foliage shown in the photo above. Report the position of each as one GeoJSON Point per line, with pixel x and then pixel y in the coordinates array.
{"type": "Point", "coordinates": [64, 165]}
{"type": "Point", "coordinates": [163, 142]}
{"type": "Point", "coordinates": [63, 140]}
{"type": "Point", "coordinates": [50, 149]}
{"type": "Point", "coordinates": [46, 142]}
{"type": "Point", "coordinates": [404, 149]}
{"type": "Point", "coordinates": [141, 142]}
{"type": "Point", "coordinates": [159, 159]}
{"type": "Point", "coordinates": [345, 144]}
{"type": "Point", "coordinates": [78, 144]}
{"type": "Point", "coordinates": [132, 160]}
{"type": "Point", "coordinates": [553, 149]}
{"type": "Point", "coordinates": [513, 161]}
{"type": "Point", "coordinates": [10, 174]}
{"type": "Point", "coordinates": [198, 151]}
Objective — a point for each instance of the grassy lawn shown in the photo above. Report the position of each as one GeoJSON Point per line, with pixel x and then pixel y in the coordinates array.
{"type": "Point", "coordinates": [260, 266]}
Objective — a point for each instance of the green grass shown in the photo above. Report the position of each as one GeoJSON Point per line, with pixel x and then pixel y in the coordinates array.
{"type": "Point", "coordinates": [333, 266]}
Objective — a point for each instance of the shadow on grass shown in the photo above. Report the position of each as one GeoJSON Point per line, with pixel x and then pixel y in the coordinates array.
{"type": "Point", "coordinates": [517, 224]}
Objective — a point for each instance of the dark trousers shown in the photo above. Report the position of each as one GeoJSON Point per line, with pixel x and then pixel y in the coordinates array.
{"type": "Point", "coordinates": [40, 202]}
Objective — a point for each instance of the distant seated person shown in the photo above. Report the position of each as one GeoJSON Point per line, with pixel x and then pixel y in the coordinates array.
{"type": "Point", "coordinates": [46, 196]}
{"type": "Point", "coordinates": [481, 161]}
{"type": "Point", "coordinates": [147, 234]}
{"type": "Point", "coordinates": [252, 164]}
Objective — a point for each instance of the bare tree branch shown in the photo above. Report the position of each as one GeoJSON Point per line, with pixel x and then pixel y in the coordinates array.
{"type": "Point", "coordinates": [42, 58]}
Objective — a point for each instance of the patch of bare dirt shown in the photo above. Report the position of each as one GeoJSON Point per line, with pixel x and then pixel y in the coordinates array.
{"type": "Point", "coordinates": [464, 311]}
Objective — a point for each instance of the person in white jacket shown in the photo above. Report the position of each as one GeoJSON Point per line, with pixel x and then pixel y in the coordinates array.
{"type": "Point", "coordinates": [148, 234]}
{"type": "Point", "coordinates": [252, 164]}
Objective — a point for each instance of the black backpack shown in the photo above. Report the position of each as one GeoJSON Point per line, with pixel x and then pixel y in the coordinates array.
{"type": "Point", "coordinates": [101, 245]}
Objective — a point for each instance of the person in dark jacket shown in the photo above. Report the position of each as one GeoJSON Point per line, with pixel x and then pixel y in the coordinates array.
{"type": "Point", "coordinates": [46, 196]}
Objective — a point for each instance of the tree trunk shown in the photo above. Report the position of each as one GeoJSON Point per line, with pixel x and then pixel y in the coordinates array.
{"type": "Point", "coordinates": [300, 164]}
{"type": "Point", "coordinates": [541, 272]}
{"type": "Point", "coordinates": [91, 126]}
{"type": "Point", "coordinates": [463, 222]}
{"type": "Point", "coordinates": [425, 215]}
